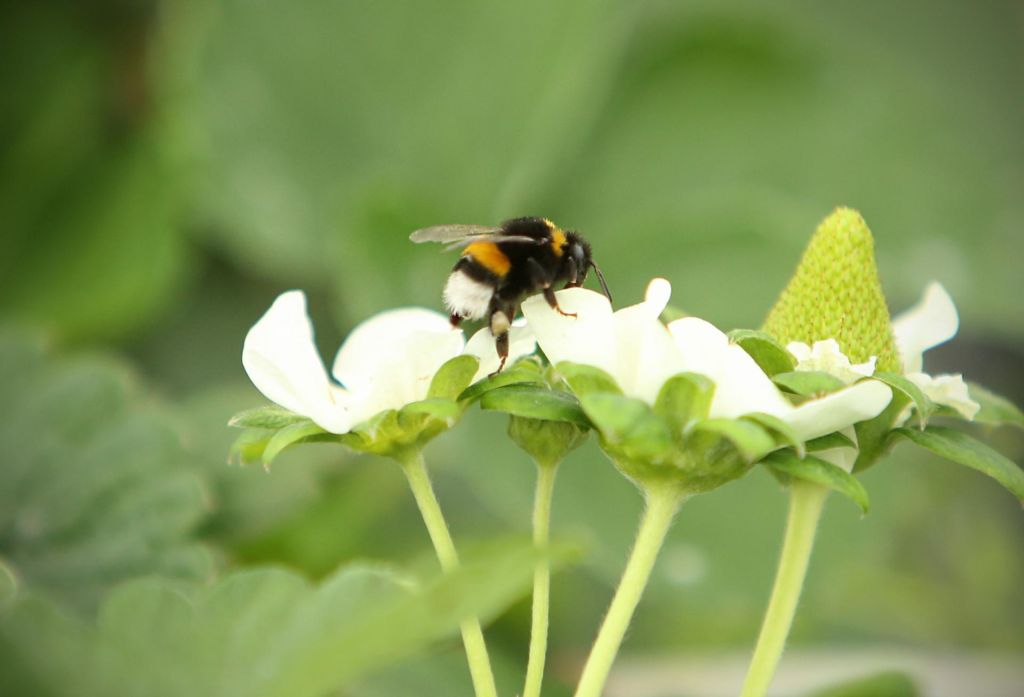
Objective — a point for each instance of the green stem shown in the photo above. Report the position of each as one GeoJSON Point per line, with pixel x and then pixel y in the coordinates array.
{"type": "Point", "coordinates": [661, 508]}
{"type": "Point", "coordinates": [541, 580]}
{"type": "Point", "coordinates": [437, 528]}
{"type": "Point", "coordinates": [806, 501]}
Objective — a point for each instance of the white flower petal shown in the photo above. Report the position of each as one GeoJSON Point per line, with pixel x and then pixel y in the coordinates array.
{"type": "Point", "coordinates": [521, 342]}
{"type": "Point", "coordinates": [932, 321]}
{"type": "Point", "coordinates": [844, 457]}
{"type": "Point", "coordinates": [947, 390]}
{"type": "Point", "coordinates": [282, 361]}
{"type": "Point", "coordinates": [826, 356]}
{"type": "Point", "coordinates": [645, 353]}
{"type": "Point", "coordinates": [587, 338]}
{"type": "Point", "coordinates": [392, 337]}
{"type": "Point", "coordinates": [800, 351]}
{"type": "Point", "coordinates": [741, 387]}
{"type": "Point", "coordinates": [838, 410]}
{"type": "Point", "coordinates": [657, 295]}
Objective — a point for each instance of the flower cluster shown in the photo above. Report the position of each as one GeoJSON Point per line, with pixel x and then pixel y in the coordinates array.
{"type": "Point", "coordinates": [821, 392]}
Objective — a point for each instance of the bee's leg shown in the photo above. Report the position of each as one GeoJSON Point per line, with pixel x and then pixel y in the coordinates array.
{"type": "Point", "coordinates": [572, 273]}
{"type": "Point", "coordinates": [455, 319]}
{"type": "Point", "coordinates": [542, 281]}
{"type": "Point", "coordinates": [500, 322]}
{"type": "Point", "coordinates": [549, 295]}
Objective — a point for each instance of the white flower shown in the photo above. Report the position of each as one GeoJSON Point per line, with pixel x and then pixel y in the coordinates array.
{"type": "Point", "coordinates": [933, 321]}
{"type": "Point", "coordinates": [640, 353]}
{"type": "Point", "coordinates": [386, 362]}
{"type": "Point", "coordinates": [631, 344]}
{"type": "Point", "coordinates": [825, 356]}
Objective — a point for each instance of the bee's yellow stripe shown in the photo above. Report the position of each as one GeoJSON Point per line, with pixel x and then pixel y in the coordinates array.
{"type": "Point", "coordinates": [557, 240]}
{"type": "Point", "coordinates": [489, 256]}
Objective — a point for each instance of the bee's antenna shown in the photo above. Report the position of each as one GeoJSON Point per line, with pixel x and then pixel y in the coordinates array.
{"type": "Point", "coordinates": [600, 278]}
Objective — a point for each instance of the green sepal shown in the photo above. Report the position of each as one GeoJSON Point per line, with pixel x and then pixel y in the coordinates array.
{"type": "Point", "coordinates": [290, 435]}
{"type": "Point", "coordinates": [249, 446]}
{"type": "Point", "coordinates": [269, 417]}
{"type": "Point", "coordinates": [923, 406]}
{"type": "Point", "coordinates": [453, 377]}
{"type": "Point", "coordinates": [808, 383]}
{"type": "Point", "coordinates": [586, 379]}
{"type": "Point", "coordinates": [535, 402]}
{"type": "Point", "coordinates": [524, 372]}
{"type": "Point", "coordinates": [961, 448]}
{"type": "Point", "coordinates": [784, 434]}
{"type": "Point", "coordinates": [684, 398]}
{"type": "Point", "coordinates": [438, 408]}
{"type": "Point", "coordinates": [265, 445]}
{"type": "Point", "coordinates": [547, 442]}
{"type": "Point", "coordinates": [829, 442]}
{"type": "Point", "coordinates": [813, 469]}
{"type": "Point", "coordinates": [873, 435]}
{"type": "Point", "coordinates": [996, 410]}
{"type": "Point", "coordinates": [769, 354]}
{"type": "Point", "coordinates": [750, 440]}
{"type": "Point", "coordinates": [628, 427]}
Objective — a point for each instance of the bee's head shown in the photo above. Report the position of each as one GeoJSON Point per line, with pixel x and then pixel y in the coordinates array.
{"type": "Point", "coordinates": [578, 249]}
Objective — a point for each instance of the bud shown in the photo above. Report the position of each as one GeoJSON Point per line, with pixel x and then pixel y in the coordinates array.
{"type": "Point", "coordinates": [547, 442]}
{"type": "Point", "coordinates": [836, 294]}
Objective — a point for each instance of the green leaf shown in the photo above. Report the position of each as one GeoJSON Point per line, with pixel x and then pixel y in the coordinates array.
{"type": "Point", "coordinates": [271, 418]}
{"type": "Point", "coordinates": [95, 486]}
{"type": "Point", "coordinates": [783, 432]}
{"type": "Point", "coordinates": [453, 377]}
{"type": "Point", "coordinates": [74, 198]}
{"type": "Point", "coordinates": [586, 379]}
{"type": "Point", "coordinates": [814, 469]}
{"type": "Point", "coordinates": [258, 632]}
{"type": "Point", "coordinates": [684, 398]}
{"type": "Point", "coordinates": [524, 372]}
{"type": "Point", "coordinates": [887, 684]}
{"type": "Point", "coordinates": [995, 409]}
{"type": "Point", "coordinates": [830, 441]}
{"type": "Point", "coordinates": [765, 350]}
{"type": "Point", "coordinates": [922, 405]}
{"type": "Point", "coordinates": [808, 383]}
{"type": "Point", "coordinates": [535, 402]}
{"type": "Point", "coordinates": [750, 440]}
{"type": "Point", "coordinates": [963, 449]}
{"type": "Point", "coordinates": [288, 436]}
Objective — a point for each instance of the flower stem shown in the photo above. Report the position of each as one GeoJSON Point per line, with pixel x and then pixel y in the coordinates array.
{"type": "Point", "coordinates": [806, 501]}
{"type": "Point", "coordinates": [472, 635]}
{"type": "Point", "coordinates": [662, 504]}
{"type": "Point", "coordinates": [541, 580]}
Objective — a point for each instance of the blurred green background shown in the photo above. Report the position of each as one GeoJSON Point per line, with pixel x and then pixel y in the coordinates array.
{"type": "Point", "coordinates": [167, 168]}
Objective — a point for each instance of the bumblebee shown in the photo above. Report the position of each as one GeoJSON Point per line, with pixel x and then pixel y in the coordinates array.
{"type": "Point", "coordinates": [501, 266]}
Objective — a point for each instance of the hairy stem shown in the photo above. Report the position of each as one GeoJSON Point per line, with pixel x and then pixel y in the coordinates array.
{"type": "Point", "coordinates": [662, 504]}
{"type": "Point", "coordinates": [437, 528]}
{"type": "Point", "coordinates": [806, 501]}
{"type": "Point", "coordinates": [541, 580]}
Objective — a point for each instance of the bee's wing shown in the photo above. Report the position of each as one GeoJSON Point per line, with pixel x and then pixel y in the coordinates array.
{"type": "Point", "coordinates": [461, 235]}
{"type": "Point", "coordinates": [452, 233]}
